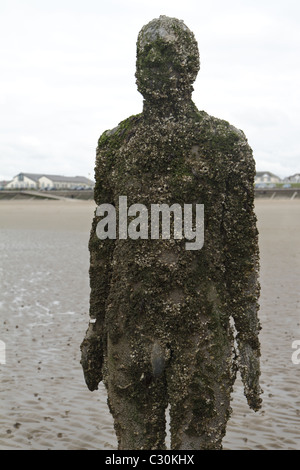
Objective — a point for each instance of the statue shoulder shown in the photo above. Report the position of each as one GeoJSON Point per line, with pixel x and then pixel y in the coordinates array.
{"type": "Point", "coordinates": [237, 154]}
{"type": "Point", "coordinates": [108, 145]}
{"type": "Point", "coordinates": [114, 138]}
{"type": "Point", "coordinates": [229, 141]}
{"type": "Point", "coordinates": [224, 146]}
{"type": "Point", "coordinates": [225, 132]}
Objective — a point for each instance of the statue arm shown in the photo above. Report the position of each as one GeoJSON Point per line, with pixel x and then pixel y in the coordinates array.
{"type": "Point", "coordinates": [242, 266]}
{"type": "Point", "coordinates": [101, 251]}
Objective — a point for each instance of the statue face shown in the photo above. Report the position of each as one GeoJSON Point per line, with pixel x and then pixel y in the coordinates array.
{"type": "Point", "coordinates": [167, 59]}
{"type": "Point", "coordinates": [159, 70]}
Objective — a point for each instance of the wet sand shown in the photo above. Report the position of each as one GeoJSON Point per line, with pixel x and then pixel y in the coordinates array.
{"type": "Point", "coordinates": [44, 403]}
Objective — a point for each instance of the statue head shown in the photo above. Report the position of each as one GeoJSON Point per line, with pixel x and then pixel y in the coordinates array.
{"type": "Point", "coordinates": [167, 60]}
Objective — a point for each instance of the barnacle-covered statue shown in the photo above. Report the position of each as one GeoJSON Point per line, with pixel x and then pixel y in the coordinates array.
{"type": "Point", "coordinates": [161, 330]}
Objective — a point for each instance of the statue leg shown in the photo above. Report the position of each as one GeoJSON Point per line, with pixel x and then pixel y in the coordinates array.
{"type": "Point", "coordinates": [136, 399]}
{"type": "Point", "coordinates": [200, 383]}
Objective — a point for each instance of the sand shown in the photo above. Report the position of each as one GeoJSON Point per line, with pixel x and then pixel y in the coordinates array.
{"type": "Point", "coordinates": [44, 403]}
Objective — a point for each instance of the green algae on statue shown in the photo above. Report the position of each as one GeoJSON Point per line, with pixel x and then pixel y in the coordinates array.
{"type": "Point", "coordinates": [160, 331]}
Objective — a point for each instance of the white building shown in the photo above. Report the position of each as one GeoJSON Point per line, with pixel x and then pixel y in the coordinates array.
{"type": "Point", "coordinates": [293, 179]}
{"type": "Point", "coordinates": [42, 181]}
{"type": "Point", "coordinates": [65, 182]}
{"type": "Point", "coordinates": [3, 184]}
{"type": "Point", "coordinates": [266, 177]}
{"type": "Point", "coordinates": [24, 181]}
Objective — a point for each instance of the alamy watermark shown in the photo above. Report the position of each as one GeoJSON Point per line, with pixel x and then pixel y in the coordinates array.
{"type": "Point", "coordinates": [296, 354]}
{"type": "Point", "coordinates": [141, 228]}
{"type": "Point", "coordinates": [2, 352]}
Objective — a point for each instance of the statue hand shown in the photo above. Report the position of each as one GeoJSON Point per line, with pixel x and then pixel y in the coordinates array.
{"type": "Point", "coordinates": [92, 358]}
{"type": "Point", "coordinates": [249, 366]}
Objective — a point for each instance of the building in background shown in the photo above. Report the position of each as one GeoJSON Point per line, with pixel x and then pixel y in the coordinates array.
{"type": "Point", "coordinates": [266, 177]}
{"type": "Point", "coordinates": [44, 182]}
{"type": "Point", "coordinates": [293, 179]}
{"type": "Point", "coordinates": [3, 184]}
{"type": "Point", "coordinates": [23, 181]}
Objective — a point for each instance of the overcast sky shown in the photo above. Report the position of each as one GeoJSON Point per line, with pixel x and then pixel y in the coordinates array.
{"type": "Point", "coordinates": [67, 74]}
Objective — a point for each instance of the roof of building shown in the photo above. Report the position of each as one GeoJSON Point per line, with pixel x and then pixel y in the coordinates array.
{"type": "Point", "coordinates": [32, 176]}
{"type": "Point", "coordinates": [58, 178]}
{"type": "Point", "coordinates": [294, 176]}
{"type": "Point", "coordinates": [261, 173]}
{"type": "Point", "coordinates": [69, 179]}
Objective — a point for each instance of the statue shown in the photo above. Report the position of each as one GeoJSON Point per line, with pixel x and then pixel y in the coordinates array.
{"type": "Point", "coordinates": [160, 331]}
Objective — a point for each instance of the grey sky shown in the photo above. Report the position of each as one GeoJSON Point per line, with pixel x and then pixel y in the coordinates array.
{"type": "Point", "coordinates": [67, 74]}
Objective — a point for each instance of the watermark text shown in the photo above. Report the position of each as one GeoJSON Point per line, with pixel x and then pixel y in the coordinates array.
{"type": "Point", "coordinates": [2, 352]}
{"type": "Point", "coordinates": [296, 354]}
{"type": "Point", "coordinates": [188, 222]}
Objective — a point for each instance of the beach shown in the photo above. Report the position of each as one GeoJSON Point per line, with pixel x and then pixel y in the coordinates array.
{"type": "Point", "coordinates": [44, 402]}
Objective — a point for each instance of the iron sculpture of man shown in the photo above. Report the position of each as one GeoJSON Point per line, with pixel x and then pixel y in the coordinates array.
{"type": "Point", "coordinates": [160, 331]}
